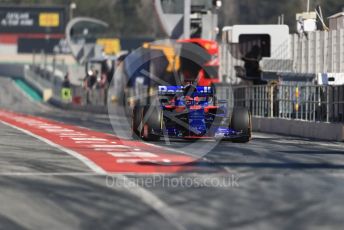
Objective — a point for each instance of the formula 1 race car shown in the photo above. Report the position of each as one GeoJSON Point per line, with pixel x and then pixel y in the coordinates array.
{"type": "Point", "coordinates": [190, 112]}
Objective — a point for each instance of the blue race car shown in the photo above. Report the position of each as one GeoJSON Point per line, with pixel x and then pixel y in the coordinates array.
{"type": "Point", "coordinates": [190, 112]}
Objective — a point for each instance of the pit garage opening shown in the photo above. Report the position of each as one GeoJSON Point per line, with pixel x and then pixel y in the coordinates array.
{"type": "Point", "coordinates": [253, 48]}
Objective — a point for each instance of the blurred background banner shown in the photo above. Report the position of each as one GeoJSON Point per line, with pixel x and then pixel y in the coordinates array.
{"type": "Point", "coordinates": [33, 20]}
{"type": "Point", "coordinates": [31, 29]}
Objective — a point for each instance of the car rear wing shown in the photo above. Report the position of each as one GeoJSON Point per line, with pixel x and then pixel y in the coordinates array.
{"type": "Point", "coordinates": [202, 91]}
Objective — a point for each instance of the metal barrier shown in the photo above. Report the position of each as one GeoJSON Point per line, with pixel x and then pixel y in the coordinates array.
{"type": "Point", "coordinates": [301, 101]}
{"type": "Point", "coordinates": [94, 96]}
{"type": "Point", "coordinates": [44, 79]}
{"type": "Point", "coordinates": [288, 101]}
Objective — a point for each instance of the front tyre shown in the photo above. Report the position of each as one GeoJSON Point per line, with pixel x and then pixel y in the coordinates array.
{"type": "Point", "coordinates": [137, 122]}
{"type": "Point", "coordinates": [242, 122]}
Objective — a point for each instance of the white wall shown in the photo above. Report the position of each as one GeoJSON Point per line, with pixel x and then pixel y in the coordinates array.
{"type": "Point", "coordinates": [6, 49]}
{"type": "Point", "coordinates": [318, 52]}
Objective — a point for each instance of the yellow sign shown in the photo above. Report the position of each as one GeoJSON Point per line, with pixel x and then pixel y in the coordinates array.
{"type": "Point", "coordinates": [49, 19]}
{"type": "Point", "coordinates": [66, 94]}
{"type": "Point", "coordinates": [111, 46]}
{"type": "Point", "coordinates": [170, 54]}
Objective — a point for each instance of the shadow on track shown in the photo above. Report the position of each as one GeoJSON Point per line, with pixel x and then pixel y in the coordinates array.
{"type": "Point", "coordinates": [260, 165]}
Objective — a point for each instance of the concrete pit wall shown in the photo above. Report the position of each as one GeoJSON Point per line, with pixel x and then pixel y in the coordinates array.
{"type": "Point", "coordinates": [312, 130]}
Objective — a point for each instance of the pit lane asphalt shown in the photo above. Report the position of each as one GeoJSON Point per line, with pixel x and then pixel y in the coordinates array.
{"type": "Point", "coordinates": [279, 183]}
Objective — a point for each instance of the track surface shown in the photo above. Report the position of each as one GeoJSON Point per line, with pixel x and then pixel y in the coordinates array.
{"type": "Point", "coordinates": [274, 182]}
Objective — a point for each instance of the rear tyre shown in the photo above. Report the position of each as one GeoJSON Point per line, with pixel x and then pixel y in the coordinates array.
{"type": "Point", "coordinates": [241, 122]}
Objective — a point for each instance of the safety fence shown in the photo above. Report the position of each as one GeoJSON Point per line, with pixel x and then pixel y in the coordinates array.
{"type": "Point", "coordinates": [306, 102]}
{"type": "Point", "coordinates": [300, 101]}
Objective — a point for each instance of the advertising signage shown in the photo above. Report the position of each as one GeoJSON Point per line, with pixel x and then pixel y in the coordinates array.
{"type": "Point", "coordinates": [49, 20]}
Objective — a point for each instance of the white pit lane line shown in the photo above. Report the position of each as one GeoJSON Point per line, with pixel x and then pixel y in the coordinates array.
{"type": "Point", "coordinates": [169, 214]}
{"type": "Point", "coordinates": [95, 168]}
